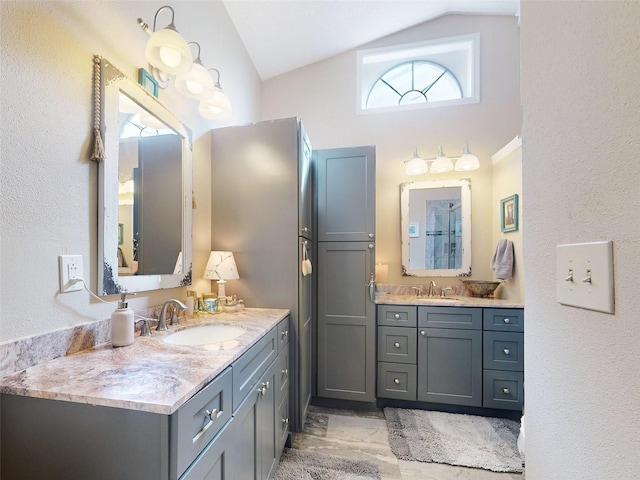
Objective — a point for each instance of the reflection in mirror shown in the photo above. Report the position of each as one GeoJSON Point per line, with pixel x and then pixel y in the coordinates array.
{"type": "Point", "coordinates": [145, 191]}
{"type": "Point", "coordinates": [436, 228]}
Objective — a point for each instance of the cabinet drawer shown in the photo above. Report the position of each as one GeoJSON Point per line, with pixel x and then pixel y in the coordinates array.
{"type": "Point", "coordinates": [283, 334]}
{"type": "Point", "coordinates": [282, 376]}
{"type": "Point", "coordinates": [503, 351]}
{"type": "Point", "coordinates": [450, 317]}
{"type": "Point", "coordinates": [397, 315]}
{"type": "Point", "coordinates": [248, 369]}
{"type": "Point", "coordinates": [397, 380]}
{"type": "Point", "coordinates": [282, 424]}
{"type": "Point", "coordinates": [504, 319]}
{"type": "Point", "coordinates": [195, 424]}
{"type": "Point", "coordinates": [503, 390]}
{"type": "Point", "coordinates": [397, 344]}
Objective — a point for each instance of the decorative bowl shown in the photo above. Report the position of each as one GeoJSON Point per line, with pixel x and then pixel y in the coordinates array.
{"type": "Point", "coordinates": [480, 288]}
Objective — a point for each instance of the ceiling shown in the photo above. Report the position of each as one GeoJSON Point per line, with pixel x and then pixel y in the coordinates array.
{"type": "Point", "coordinates": [283, 35]}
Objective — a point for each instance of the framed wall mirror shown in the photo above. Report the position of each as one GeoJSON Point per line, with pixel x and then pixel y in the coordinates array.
{"type": "Point", "coordinates": [145, 181]}
{"type": "Point", "coordinates": [435, 222]}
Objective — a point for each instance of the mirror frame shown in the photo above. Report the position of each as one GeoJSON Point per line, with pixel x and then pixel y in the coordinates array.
{"type": "Point", "coordinates": [465, 199]}
{"type": "Point", "coordinates": [112, 82]}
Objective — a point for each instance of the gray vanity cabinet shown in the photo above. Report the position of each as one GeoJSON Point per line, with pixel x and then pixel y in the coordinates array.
{"type": "Point", "coordinates": [234, 429]}
{"type": "Point", "coordinates": [465, 355]}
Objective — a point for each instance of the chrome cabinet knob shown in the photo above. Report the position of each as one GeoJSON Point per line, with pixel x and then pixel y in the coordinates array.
{"type": "Point", "coordinates": [371, 245]}
{"type": "Point", "coordinates": [396, 344]}
{"type": "Point", "coordinates": [285, 372]}
{"type": "Point", "coordinates": [213, 414]}
{"type": "Point", "coordinates": [285, 421]}
{"type": "Point", "coordinates": [397, 316]}
{"type": "Point", "coordinates": [505, 390]}
{"type": "Point", "coordinates": [423, 333]}
{"type": "Point", "coordinates": [285, 334]}
{"type": "Point", "coordinates": [371, 235]}
{"type": "Point", "coordinates": [506, 351]}
{"type": "Point", "coordinates": [506, 320]}
{"type": "Point", "coordinates": [396, 381]}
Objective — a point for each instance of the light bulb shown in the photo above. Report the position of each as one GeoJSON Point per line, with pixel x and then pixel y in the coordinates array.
{"type": "Point", "coordinates": [170, 56]}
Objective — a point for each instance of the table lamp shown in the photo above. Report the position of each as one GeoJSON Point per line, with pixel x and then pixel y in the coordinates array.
{"type": "Point", "coordinates": [221, 267]}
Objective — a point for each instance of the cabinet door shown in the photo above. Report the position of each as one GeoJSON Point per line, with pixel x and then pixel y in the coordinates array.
{"type": "Point", "coordinates": [266, 429]}
{"type": "Point", "coordinates": [346, 194]}
{"type": "Point", "coordinates": [213, 462]}
{"type": "Point", "coordinates": [305, 170]}
{"type": "Point", "coordinates": [346, 322]}
{"type": "Point", "coordinates": [450, 366]}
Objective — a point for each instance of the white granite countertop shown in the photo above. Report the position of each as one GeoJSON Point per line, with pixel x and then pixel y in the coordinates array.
{"type": "Point", "coordinates": [452, 301]}
{"type": "Point", "coordinates": [149, 375]}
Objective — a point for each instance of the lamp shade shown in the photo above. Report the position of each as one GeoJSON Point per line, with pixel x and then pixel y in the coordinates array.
{"type": "Point", "coordinates": [221, 266]}
{"type": "Point", "coordinates": [442, 163]}
{"type": "Point", "coordinates": [169, 52]}
{"type": "Point", "coordinates": [196, 84]}
{"type": "Point", "coordinates": [217, 106]}
{"type": "Point", "coordinates": [416, 166]}
{"type": "Point", "coordinates": [468, 161]}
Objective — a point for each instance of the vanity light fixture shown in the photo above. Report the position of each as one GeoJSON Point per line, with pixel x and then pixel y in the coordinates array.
{"type": "Point", "coordinates": [217, 106]}
{"type": "Point", "coordinates": [168, 53]}
{"type": "Point", "coordinates": [166, 49]}
{"type": "Point", "coordinates": [441, 164]}
{"type": "Point", "coordinates": [222, 267]}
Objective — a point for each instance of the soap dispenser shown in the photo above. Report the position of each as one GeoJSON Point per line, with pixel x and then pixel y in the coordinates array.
{"type": "Point", "coordinates": [122, 324]}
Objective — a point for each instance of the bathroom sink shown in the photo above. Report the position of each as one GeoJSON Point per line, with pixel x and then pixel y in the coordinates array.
{"type": "Point", "coordinates": [204, 335]}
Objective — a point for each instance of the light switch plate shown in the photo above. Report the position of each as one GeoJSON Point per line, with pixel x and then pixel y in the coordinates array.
{"type": "Point", "coordinates": [584, 275]}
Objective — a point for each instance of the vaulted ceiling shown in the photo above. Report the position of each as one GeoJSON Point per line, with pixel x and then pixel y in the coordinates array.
{"type": "Point", "coordinates": [283, 35]}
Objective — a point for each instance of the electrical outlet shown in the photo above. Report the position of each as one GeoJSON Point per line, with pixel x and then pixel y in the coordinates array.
{"type": "Point", "coordinates": [70, 268]}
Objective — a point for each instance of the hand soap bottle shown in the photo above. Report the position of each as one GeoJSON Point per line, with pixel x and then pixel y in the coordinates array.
{"type": "Point", "coordinates": [122, 324]}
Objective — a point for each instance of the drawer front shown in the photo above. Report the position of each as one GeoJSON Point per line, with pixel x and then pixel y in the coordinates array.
{"type": "Point", "coordinates": [397, 315]}
{"type": "Point", "coordinates": [248, 369]}
{"type": "Point", "coordinates": [504, 319]}
{"type": "Point", "coordinates": [198, 421]}
{"type": "Point", "coordinates": [504, 390]}
{"type": "Point", "coordinates": [397, 380]}
{"type": "Point", "coordinates": [283, 334]}
{"type": "Point", "coordinates": [397, 344]}
{"type": "Point", "coordinates": [282, 376]}
{"type": "Point", "coordinates": [450, 317]}
{"type": "Point", "coordinates": [503, 351]}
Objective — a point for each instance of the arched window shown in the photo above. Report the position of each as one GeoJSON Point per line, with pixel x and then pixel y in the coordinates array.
{"type": "Point", "coordinates": [418, 81]}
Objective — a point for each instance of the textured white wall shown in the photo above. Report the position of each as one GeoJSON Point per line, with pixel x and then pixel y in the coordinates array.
{"type": "Point", "coordinates": [581, 138]}
{"type": "Point", "coordinates": [323, 95]}
{"type": "Point", "coordinates": [48, 186]}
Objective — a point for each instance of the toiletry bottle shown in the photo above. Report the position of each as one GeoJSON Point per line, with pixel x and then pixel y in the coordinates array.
{"type": "Point", "coordinates": [190, 303]}
{"type": "Point", "coordinates": [122, 324]}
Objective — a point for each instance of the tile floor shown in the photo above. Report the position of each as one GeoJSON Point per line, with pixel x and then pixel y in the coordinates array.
{"type": "Point", "coordinates": [364, 436]}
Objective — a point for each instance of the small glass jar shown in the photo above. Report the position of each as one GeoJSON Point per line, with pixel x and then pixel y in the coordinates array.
{"type": "Point", "coordinates": [211, 303]}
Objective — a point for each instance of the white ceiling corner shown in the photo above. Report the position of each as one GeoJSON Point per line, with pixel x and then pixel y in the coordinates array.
{"type": "Point", "coordinates": [283, 35]}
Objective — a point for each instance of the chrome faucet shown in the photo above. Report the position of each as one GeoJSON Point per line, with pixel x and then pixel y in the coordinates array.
{"type": "Point", "coordinates": [444, 291]}
{"type": "Point", "coordinates": [418, 290]}
{"type": "Point", "coordinates": [162, 318]}
{"type": "Point", "coordinates": [432, 285]}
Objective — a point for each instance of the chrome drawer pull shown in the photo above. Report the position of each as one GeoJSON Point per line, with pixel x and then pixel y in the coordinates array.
{"type": "Point", "coordinates": [285, 372]}
{"type": "Point", "coordinates": [506, 320]}
{"type": "Point", "coordinates": [397, 345]}
{"type": "Point", "coordinates": [213, 414]}
{"type": "Point", "coordinates": [505, 390]}
{"type": "Point", "coordinates": [396, 381]}
{"type": "Point", "coordinates": [285, 334]}
{"type": "Point", "coordinates": [423, 333]}
{"type": "Point", "coordinates": [506, 351]}
{"type": "Point", "coordinates": [396, 316]}
{"type": "Point", "coordinates": [285, 421]}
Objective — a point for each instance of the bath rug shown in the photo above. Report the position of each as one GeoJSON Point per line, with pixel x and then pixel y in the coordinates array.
{"type": "Point", "coordinates": [454, 439]}
{"type": "Point", "coordinates": [309, 465]}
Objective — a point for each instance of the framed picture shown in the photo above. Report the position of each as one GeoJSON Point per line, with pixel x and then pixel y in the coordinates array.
{"type": "Point", "coordinates": [148, 82]}
{"type": "Point", "coordinates": [509, 213]}
{"type": "Point", "coordinates": [120, 233]}
{"type": "Point", "coordinates": [414, 229]}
